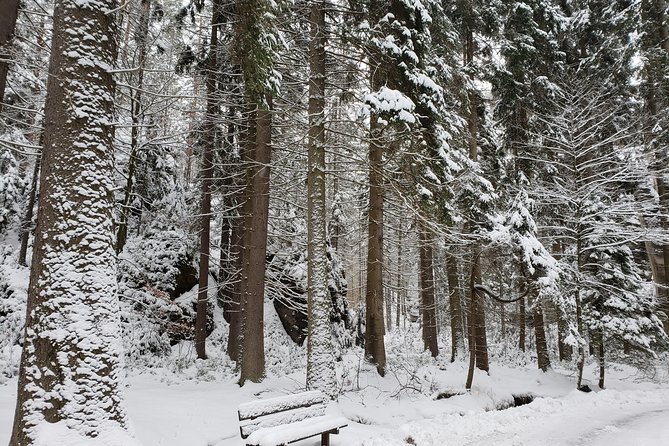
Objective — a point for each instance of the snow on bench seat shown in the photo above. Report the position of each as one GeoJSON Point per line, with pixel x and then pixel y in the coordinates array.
{"type": "Point", "coordinates": [288, 433]}
{"type": "Point", "coordinates": [257, 409]}
{"type": "Point", "coordinates": [248, 427]}
{"type": "Point", "coordinates": [290, 418]}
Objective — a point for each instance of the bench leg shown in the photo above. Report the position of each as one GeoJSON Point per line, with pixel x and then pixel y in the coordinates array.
{"type": "Point", "coordinates": [325, 439]}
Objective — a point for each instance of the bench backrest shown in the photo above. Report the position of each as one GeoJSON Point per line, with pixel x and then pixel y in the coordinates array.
{"type": "Point", "coordinates": [281, 410]}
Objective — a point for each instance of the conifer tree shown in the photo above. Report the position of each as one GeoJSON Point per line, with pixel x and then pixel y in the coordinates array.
{"type": "Point", "coordinates": [72, 342]}
{"type": "Point", "coordinates": [254, 52]}
{"type": "Point", "coordinates": [655, 90]}
{"type": "Point", "coordinates": [320, 365]}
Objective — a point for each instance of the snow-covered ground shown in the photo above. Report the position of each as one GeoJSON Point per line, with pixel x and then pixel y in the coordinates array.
{"type": "Point", "coordinates": [392, 411]}
{"type": "Point", "coordinates": [180, 402]}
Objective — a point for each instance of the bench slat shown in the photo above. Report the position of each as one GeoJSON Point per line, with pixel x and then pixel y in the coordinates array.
{"type": "Point", "coordinates": [289, 433]}
{"type": "Point", "coordinates": [247, 427]}
{"type": "Point", "coordinates": [256, 409]}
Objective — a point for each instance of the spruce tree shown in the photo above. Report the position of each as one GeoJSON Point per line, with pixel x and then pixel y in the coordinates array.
{"type": "Point", "coordinates": [72, 345]}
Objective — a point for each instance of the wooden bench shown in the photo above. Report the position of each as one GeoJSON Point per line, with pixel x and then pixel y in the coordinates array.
{"type": "Point", "coordinates": [287, 419]}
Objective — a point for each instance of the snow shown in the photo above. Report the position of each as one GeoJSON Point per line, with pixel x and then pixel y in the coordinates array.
{"type": "Point", "coordinates": [383, 411]}
{"type": "Point", "coordinates": [50, 434]}
{"type": "Point", "coordinates": [387, 100]}
{"type": "Point", "coordinates": [303, 429]}
{"type": "Point", "coordinates": [255, 409]}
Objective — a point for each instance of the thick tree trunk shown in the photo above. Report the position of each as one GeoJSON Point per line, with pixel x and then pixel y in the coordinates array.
{"type": "Point", "coordinates": [26, 226]}
{"type": "Point", "coordinates": [455, 307]}
{"type": "Point", "coordinates": [320, 356]}
{"type": "Point", "coordinates": [374, 328]}
{"type": "Point", "coordinates": [255, 250]}
{"type": "Point", "coordinates": [427, 293]}
{"type": "Point", "coordinates": [10, 10]}
{"type": "Point", "coordinates": [72, 349]}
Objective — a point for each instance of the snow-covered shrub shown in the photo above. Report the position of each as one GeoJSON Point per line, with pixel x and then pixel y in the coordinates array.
{"type": "Point", "coordinates": [12, 314]}
{"type": "Point", "coordinates": [287, 286]}
{"type": "Point", "coordinates": [12, 186]}
{"type": "Point", "coordinates": [155, 270]}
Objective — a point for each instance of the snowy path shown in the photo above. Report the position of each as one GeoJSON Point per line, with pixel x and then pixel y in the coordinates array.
{"type": "Point", "coordinates": [640, 425]}
{"type": "Point", "coordinates": [649, 428]}
{"type": "Point", "coordinates": [605, 418]}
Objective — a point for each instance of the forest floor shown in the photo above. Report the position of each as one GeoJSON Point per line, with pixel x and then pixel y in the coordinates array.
{"type": "Point", "coordinates": [403, 408]}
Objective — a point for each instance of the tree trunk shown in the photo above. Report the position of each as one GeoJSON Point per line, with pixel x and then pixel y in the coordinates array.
{"type": "Point", "coordinates": [320, 356]}
{"type": "Point", "coordinates": [479, 323]}
{"type": "Point", "coordinates": [480, 338]}
{"type": "Point", "coordinates": [232, 309]}
{"type": "Point", "coordinates": [10, 10]}
{"type": "Point", "coordinates": [255, 250]}
{"type": "Point", "coordinates": [600, 358]}
{"type": "Point", "coordinates": [580, 362]}
{"type": "Point", "coordinates": [233, 300]}
{"type": "Point", "coordinates": [660, 160]}
{"type": "Point", "coordinates": [72, 348]}
{"type": "Point", "coordinates": [471, 328]}
{"type": "Point", "coordinates": [374, 328]}
{"type": "Point", "coordinates": [225, 264]}
{"type": "Point", "coordinates": [455, 307]}
{"type": "Point", "coordinates": [207, 174]}
{"type": "Point", "coordinates": [543, 359]}
{"type": "Point", "coordinates": [398, 308]}
{"type": "Point", "coordinates": [522, 324]}
{"type": "Point", "coordinates": [427, 293]}
{"type": "Point", "coordinates": [26, 227]}
{"type": "Point", "coordinates": [564, 350]}
{"type": "Point", "coordinates": [137, 118]}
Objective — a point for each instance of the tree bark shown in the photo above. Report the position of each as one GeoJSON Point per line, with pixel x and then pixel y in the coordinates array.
{"type": "Point", "coordinates": [236, 252]}
{"type": "Point", "coordinates": [479, 323]}
{"type": "Point", "coordinates": [72, 349]}
{"type": "Point", "coordinates": [207, 174]}
{"type": "Point", "coordinates": [320, 356]}
{"type": "Point", "coordinates": [233, 300]}
{"type": "Point", "coordinates": [455, 307]}
{"type": "Point", "coordinates": [543, 359]}
{"type": "Point", "coordinates": [398, 304]}
{"type": "Point", "coordinates": [471, 328]}
{"type": "Point", "coordinates": [580, 362]}
{"type": "Point", "coordinates": [255, 250]}
{"type": "Point", "coordinates": [660, 160]}
{"type": "Point", "coordinates": [564, 350]}
{"type": "Point", "coordinates": [374, 329]}
{"type": "Point", "coordinates": [522, 324]}
{"type": "Point", "coordinates": [427, 293]}
{"type": "Point", "coordinates": [601, 358]}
